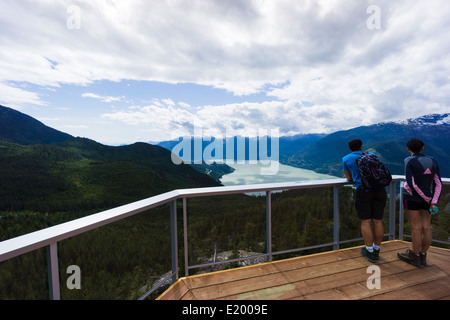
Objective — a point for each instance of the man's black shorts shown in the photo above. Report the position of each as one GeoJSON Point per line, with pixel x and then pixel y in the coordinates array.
{"type": "Point", "coordinates": [370, 204]}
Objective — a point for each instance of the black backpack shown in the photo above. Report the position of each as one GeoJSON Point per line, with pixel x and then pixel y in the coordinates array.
{"type": "Point", "coordinates": [374, 174]}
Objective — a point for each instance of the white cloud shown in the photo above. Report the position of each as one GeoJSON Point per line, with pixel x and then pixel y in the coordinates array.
{"type": "Point", "coordinates": [163, 117]}
{"type": "Point", "coordinates": [246, 119]}
{"type": "Point", "coordinates": [102, 98]}
{"type": "Point", "coordinates": [322, 51]}
{"type": "Point", "coordinates": [15, 97]}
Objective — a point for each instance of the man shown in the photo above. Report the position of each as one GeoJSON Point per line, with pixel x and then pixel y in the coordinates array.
{"type": "Point", "coordinates": [369, 204]}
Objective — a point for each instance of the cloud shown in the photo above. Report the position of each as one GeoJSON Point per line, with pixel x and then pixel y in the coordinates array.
{"type": "Point", "coordinates": [172, 120]}
{"type": "Point", "coordinates": [15, 97]}
{"type": "Point", "coordinates": [102, 98]}
{"type": "Point", "coordinates": [321, 52]}
{"type": "Point", "coordinates": [236, 45]}
{"type": "Point", "coordinates": [162, 117]}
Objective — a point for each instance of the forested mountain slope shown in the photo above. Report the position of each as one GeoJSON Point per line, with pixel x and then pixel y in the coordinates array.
{"type": "Point", "coordinates": [387, 140]}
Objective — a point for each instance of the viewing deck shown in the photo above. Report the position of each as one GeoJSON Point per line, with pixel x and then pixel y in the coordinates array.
{"type": "Point", "coordinates": [338, 274]}
{"type": "Point", "coordinates": [334, 275]}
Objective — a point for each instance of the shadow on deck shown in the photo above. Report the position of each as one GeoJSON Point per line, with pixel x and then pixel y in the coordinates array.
{"type": "Point", "coordinates": [333, 275]}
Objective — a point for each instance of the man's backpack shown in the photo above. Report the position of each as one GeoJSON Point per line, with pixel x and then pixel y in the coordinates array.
{"type": "Point", "coordinates": [374, 174]}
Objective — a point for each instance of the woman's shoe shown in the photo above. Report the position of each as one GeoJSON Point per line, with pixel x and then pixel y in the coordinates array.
{"type": "Point", "coordinates": [423, 259]}
{"type": "Point", "coordinates": [410, 257]}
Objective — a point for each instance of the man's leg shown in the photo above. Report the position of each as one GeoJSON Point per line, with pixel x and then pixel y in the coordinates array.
{"type": "Point", "coordinates": [379, 202]}
{"type": "Point", "coordinates": [363, 206]}
{"type": "Point", "coordinates": [367, 232]}
{"type": "Point", "coordinates": [378, 230]}
{"type": "Point", "coordinates": [378, 205]}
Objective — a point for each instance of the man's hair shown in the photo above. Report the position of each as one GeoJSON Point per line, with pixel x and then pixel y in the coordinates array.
{"type": "Point", "coordinates": [355, 144]}
{"type": "Point", "coordinates": [415, 145]}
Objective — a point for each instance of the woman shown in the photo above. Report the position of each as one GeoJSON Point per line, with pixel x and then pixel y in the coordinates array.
{"type": "Point", "coordinates": [421, 193]}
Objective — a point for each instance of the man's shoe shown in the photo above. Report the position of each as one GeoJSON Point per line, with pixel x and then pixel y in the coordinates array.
{"type": "Point", "coordinates": [410, 257]}
{"type": "Point", "coordinates": [423, 259]}
{"type": "Point", "coordinates": [376, 254]}
{"type": "Point", "coordinates": [367, 254]}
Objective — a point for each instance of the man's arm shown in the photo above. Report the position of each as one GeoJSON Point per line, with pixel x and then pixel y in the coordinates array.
{"type": "Point", "coordinates": [348, 176]}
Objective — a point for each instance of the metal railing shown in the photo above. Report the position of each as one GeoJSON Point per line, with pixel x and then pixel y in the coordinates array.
{"type": "Point", "coordinates": [49, 237]}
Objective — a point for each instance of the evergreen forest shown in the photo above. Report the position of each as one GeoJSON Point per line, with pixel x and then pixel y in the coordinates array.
{"type": "Point", "coordinates": [44, 185]}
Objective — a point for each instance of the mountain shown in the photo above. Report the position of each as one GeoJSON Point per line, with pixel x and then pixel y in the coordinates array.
{"type": "Point", "coordinates": [22, 129]}
{"type": "Point", "coordinates": [45, 170]}
{"type": "Point", "coordinates": [81, 174]}
{"type": "Point", "coordinates": [387, 140]}
{"type": "Point", "coordinates": [288, 145]}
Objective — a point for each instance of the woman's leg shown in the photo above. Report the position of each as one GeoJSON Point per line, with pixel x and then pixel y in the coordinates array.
{"type": "Point", "coordinates": [427, 236]}
{"type": "Point", "coordinates": [415, 220]}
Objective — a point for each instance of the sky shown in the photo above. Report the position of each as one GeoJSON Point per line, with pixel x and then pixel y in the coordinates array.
{"type": "Point", "coordinates": [119, 71]}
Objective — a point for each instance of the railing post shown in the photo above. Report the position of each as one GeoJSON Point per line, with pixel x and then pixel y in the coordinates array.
{"type": "Point", "coordinates": [400, 214]}
{"type": "Point", "coordinates": [174, 239]}
{"type": "Point", "coordinates": [186, 256]}
{"type": "Point", "coordinates": [336, 217]}
{"type": "Point", "coordinates": [392, 202]}
{"type": "Point", "coordinates": [269, 225]}
{"type": "Point", "coordinates": [53, 272]}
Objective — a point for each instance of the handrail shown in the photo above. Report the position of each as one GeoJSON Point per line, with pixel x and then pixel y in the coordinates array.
{"type": "Point", "coordinates": [49, 237]}
{"type": "Point", "coordinates": [22, 244]}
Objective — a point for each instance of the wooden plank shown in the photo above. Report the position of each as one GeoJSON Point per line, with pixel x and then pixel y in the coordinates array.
{"type": "Point", "coordinates": [441, 251]}
{"type": "Point", "coordinates": [442, 261]}
{"type": "Point", "coordinates": [361, 290]}
{"type": "Point", "coordinates": [282, 292]}
{"type": "Point", "coordinates": [332, 281]}
{"type": "Point", "coordinates": [386, 247]}
{"type": "Point", "coordinates": [422, 274]}
{"type": "Point", "coordinates": [311, 260]}
{"type": "Point", "coordinates": [349, 277]}
{"type": "Point", "coordinates": [189, 296]}
{"type": "Point", "coordinates": [323, 295]}
{"type": "Point", "coordinates": [358, 276]}
{"type": "Point", "coordinates": [346, 271]}
{"type": "Point", "coordinates": [224, 276]}
{"type": "Point", "coordinates": [336, 285]}
{"type": "Point", "coordinates": [395, 282]}
{"type": "Point", "coordinates": [311, 280]}
{"type": "Point", "coordinates": [175, 292]}
{"type": "Point", "coordinates": [239, 286]}
{"type": "Point", "coordinates": [322, 270]}
{"type": "Point", "coordinates": [333, 275]}
{"type": "Point", "coordinates": [431, 290]}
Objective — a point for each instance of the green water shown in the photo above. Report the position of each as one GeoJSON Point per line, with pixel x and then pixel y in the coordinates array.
{"type": "Point", "coordinates": [245, 174]}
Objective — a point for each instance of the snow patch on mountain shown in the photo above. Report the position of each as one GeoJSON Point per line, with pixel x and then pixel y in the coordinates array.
{"type": "Point", "coordinates": [426, 120]}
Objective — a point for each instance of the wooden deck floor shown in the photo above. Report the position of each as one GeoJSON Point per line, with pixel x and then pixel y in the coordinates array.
{"type": "Point", "coordinates": [334, 275]}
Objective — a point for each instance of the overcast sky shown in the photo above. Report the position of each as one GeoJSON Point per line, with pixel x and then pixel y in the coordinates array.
{"type": "Point", "coordinates": [148, 70]}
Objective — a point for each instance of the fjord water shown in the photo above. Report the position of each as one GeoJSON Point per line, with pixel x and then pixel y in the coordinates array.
{"type": "Point", "coordinates": [245, 174]}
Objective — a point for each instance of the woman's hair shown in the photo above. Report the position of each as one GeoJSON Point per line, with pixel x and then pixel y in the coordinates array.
{"type": "Point", "coordinates": [415, 145]}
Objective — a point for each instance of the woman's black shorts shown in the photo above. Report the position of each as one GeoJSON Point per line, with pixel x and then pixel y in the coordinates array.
{"type": "Point", "coordinates": [370, 204]}
{"type": "Point", "coordinates": [415, 205]}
